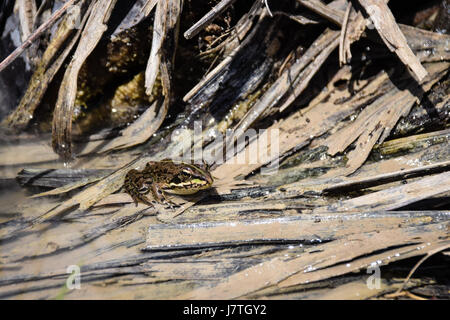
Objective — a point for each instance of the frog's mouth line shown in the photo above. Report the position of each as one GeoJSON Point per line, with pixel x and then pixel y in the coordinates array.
{"type": "Point", "coordinates": [188, 187]}
{"type": "Point", "coordinates": [191, 185]}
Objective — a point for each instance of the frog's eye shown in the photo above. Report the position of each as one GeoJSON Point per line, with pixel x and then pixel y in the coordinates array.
{"type": "Point", "coordinates": [143, 189]}
{"type": "Point", "coordinates": [188, 171]}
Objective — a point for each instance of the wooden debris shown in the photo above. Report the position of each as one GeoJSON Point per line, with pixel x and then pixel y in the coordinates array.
{"type": "Point", "coordinates": [302, 81]}
{"type": "Point", "coordinates": [412, 143]}
{"type": "Point", "coordinates": [62, 115]}
{"type": "Point", "coordinates": [429, 46]}
{"type": "Point", "coordinates": [210, 16]}
{"type": "Point", "coordinates": [344, 45]}
{"type": "Point", "coordinates": [274, 271]}
{"type": "Point", "coordinates": [136, 133]}
{"type": "Point", "coordinates": [367, 262]}
{"type": "Point", "coordinates": [383, 168]}
{"type": "Point", "coordinates": [303, 69]}
{"type": "Point", "coordinates": [288, 230]}
{"type": "Point", "coordinates": [353, 33]}
{"type": "Point", "coordinates": [376, 121]}
{"type": "Point", "coordinates": [392, 36]}
{"type": "Point", "coordinates": [57, 178]}
{"type": "Point", "coordinates": [325, 11]}
{"type": "Point", "coordinates": [167, 15]}
{"type": "Point", "coordinates": [396, 197]}
{"type": "Point", "coordinates": [367, 182]}
{"type": "Point", "coordinates": [27, 11]}
{"type": "Point", "coordinates": [140, 10]}
{"type": "Point", "coordinates": [159, 63]}
{"type": "Point", "coordinates": [232, 45]}
{"type": "Point", "coordinates": [51, 62]}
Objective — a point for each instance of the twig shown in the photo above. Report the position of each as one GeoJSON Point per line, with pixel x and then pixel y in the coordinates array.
{"type": "Point", "coordinates": [432, 252]}
{"type": "Point", "coordinates": [207, 18]}
{"type": "Point", "coordinates": [9, 59]}
{"type": "Point", "coordinates": [268, 9]}
{"type": "Point", "coordinates": [219, 46]}
{"type": "Point", "coordinates": [402, 294]}
{"type": "Point", "coordinates": [392, 36]}
{"type": "Point", "coordinates": [297, 18]}
{"type": "Point", "coordinates": [323, 10]}
{"type": "Point", "coordinates": [342, 46]}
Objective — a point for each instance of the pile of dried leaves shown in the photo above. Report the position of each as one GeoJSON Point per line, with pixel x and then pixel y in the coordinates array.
{"type": "Point", "coordinates": [359, 102]}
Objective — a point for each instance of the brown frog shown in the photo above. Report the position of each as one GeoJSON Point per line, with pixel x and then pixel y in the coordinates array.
{"type": "Point", "coordinates": [166, 176]}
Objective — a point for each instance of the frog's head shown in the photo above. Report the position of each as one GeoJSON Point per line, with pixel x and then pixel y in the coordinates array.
{"type": "Point", "coordinates": [191, 179]}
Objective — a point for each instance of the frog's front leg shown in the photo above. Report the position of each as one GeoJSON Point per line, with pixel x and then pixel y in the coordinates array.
{"type": "Point", "coordinates": [160, 196]}
{"type": "Point", "coordinates": [142, 198]}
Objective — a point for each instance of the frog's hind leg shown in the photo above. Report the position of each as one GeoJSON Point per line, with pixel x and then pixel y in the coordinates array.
{"type": "Point", "coordinates": [142, 198]}
{"type": "Point", "coordinates": [136, 188]}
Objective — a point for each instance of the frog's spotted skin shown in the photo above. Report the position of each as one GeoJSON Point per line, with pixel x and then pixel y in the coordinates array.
{"type": "Point", "coordinates": [134, 186]}
{"type": "Point", "coordinates": [166, 176]}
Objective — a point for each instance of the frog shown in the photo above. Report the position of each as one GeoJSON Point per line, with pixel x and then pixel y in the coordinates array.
{"type": "Point", "coordinates": [166, 177]}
